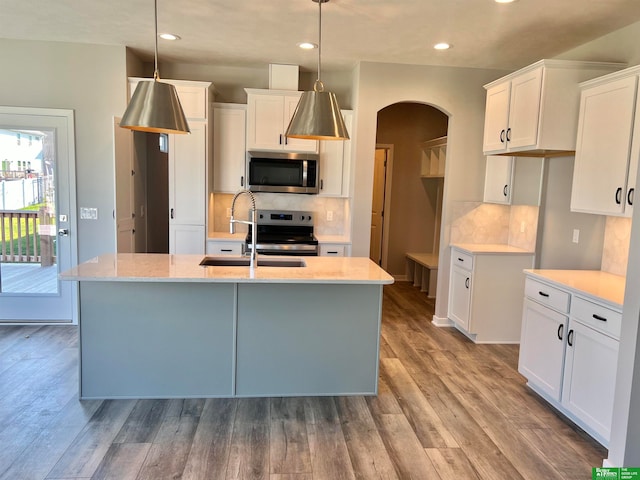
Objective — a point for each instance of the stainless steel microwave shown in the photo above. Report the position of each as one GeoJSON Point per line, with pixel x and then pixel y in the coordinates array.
{"type": "Point", "coordinates": [283, 172]}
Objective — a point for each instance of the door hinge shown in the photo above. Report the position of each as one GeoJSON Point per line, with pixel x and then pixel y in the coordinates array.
{"type": "Point", "coordinates": [133, 172]}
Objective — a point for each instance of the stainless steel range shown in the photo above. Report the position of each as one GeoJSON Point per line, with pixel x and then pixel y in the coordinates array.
{"type": "Point", "coordinates": [284, 232]}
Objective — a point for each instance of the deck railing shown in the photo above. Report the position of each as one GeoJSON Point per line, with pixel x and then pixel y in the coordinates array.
{"type": "Point", "coordinates": [26, 237]}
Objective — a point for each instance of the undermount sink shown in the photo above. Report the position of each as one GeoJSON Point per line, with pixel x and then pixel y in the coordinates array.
{"type": "Point", "coordinates": [245, 262]}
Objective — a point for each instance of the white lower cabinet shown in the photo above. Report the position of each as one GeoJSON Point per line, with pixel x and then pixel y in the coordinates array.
{"type": "Point", "coordinates": [590, 377]}
{"type": "Point", "coordinates": [569, 354]}
{"type": "Point", "coordinates": [333, 250]}
{"type": "Point", "coordinates": [186, 239]}
{"type": "Point", "coordinates": [486, 286]}
{"type": "Point", "coordinates": [543, 330]}
{"type": "Point", "coordinates": [220, 247]}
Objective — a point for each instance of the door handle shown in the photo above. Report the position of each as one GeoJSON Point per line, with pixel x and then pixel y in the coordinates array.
{"type": "Point", "coordinates": [63, 232]}
{"type": "Point", "coordinates": [618, 194]}
{"type": "Point", "coordinates": [509, 134]}
{"type": "Point", "coordinates": [560, 331]}
{"type": "Point", "coordinates": [171, 213]}
{"type": "Point", "coordinates": [502, 136]}
{"type": "Point", "coordinates": [504, 190]}
{"type": "Point", "coordinates": [630, 195]}
{"type": "Point", "coordinates": [466, 283]}
{"type": "Point", "coordinates": [570, 338]}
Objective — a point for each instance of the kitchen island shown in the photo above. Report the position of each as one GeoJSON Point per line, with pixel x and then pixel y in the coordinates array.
{"type": "Point", "coordinates": [162, 326]}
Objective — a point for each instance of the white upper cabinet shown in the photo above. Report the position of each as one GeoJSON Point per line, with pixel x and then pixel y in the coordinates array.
{"type": "Point", "coordinates": [335, 163]}
{"type": "Point", "coordinates": [268, 116]}
{"type": "Point", "coordinates": [193, 95]}
{"type": "Point", "coordinates": [498, 181]}
{"type": "Point", "coordinates": [229, 132]}
{"type": "Point", "coordinates": [608, 145]}
{"type": "Point", "coordinates": [534, 110]}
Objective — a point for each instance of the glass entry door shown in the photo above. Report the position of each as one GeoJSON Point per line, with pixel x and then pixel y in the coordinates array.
{"type": "Point", "coordinates": [36, 215]}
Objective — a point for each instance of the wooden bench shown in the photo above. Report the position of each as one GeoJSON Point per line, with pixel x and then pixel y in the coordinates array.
{"type": "Point", "coordinates": [422, 268]}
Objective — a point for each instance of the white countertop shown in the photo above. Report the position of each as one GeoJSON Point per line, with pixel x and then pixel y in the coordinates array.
{"type": "Point", "coordinates": [603, 285]}
{"type": "Point", "coordinates": [481, 248]}
{"type": "Point", "coordinates": [141, 267]}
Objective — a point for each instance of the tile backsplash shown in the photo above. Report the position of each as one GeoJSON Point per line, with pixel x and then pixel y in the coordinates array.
{"type": "Point", "coordinates": [484, 223]}
{"type": "Point", "coordinates": [275, 201]}
{"type": "Point", "coordinates": [615, 251]}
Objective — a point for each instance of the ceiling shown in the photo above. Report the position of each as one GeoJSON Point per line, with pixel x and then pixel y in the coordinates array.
{"type": "Point", "coordinates": [251, 33]}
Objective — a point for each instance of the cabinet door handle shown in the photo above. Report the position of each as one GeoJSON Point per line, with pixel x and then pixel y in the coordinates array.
{"type": "Point", "coordinates": [460, 259]}
{"type": "Point", "coordinates": [280, 140]}
{"type": "Point", "coordinates": [504, 190]}
{"type": "Point", "coordinates": [502, 132]}
{"type": "Point", "coordinates": [570, 338]}
{"type": "Point", "coordinates": [618, 194]}
{"type": "Point", "coordinates": [242, 180]}
{"type": "Point", "coordinates": [560, 331]}
{"type": "Point", "coordinates": [171, 213]}
{"type": "Point", "coordinates": [630, 195]}
{"type": "Point", "coordinates": [226, 250]}
{"type": "Point", "coordinates": [466, 282]}
{"type": "Point", "coordinates": [332, 252]}
{"type": "Point", "coordinates": [543, 294]}
{"type": "Point", "coordinates": [598, 317]}
{"type": "Point", "coordinates": [509, 134]}
{"type": "Point", "coordinates": [321, 184]}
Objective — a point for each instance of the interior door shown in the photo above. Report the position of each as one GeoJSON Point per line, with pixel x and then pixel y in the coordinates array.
{"type": "Point", "coordinates": [37, 215]}
{"type": "Point", "coordinates": [377, 206]}
{"type": "Point", "coordinates": [125, 223]}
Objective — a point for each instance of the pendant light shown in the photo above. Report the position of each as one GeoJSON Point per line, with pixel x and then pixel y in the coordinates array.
{"type": "Point", "coordinates": [318, 116]}
{"type": "Point", "coordinates": [154, 106]}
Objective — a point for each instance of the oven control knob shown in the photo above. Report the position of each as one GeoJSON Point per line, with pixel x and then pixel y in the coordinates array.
{"type": "Point", "coordinates": [301, 217]}
{"type": "Point", "coordinates": [309, 218]}
{"type": "Point", "coordinates": [261, 216]}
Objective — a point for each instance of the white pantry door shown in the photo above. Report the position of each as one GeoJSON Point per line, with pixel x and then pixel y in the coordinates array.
{"type": "Point", "coordinates": [33, 252]}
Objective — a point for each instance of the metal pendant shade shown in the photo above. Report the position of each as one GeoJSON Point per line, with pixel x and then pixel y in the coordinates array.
{"type": "Point", "coordinates": [318, 116]}
{"type": "Point", "coordinates": [155, 106]}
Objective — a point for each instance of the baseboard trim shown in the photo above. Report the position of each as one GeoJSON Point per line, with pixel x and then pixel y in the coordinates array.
{"type": "Point", "coordinates": [441, 322]}
{"type": "Point", "coordinates": [400, 278]}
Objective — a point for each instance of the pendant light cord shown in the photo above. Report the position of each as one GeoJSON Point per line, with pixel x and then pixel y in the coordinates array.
{"type": "Point", "coordinates": [318, 86]}
{"type": "Point", "coordinates": [156, 76]}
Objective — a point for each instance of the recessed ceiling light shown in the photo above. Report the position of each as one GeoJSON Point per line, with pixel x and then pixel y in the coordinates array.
{"type": "Point", "coordinates": [442, 46]}
{"type": "Point", "coordinates": [307, 45]}
{"type": "Point", "coordinates": [169, 36]}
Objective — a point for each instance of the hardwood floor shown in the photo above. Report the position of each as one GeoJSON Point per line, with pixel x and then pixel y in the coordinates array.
{"type": "Point", "coordinates": [446, 409]}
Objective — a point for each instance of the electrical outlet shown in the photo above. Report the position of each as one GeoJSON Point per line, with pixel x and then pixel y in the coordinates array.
{"type": "Point", "coordinates": [329, 215]}
{"type": "Point", "coordinates": [576, 235]}
{"type": "Point", "coordinates": [522, 226]}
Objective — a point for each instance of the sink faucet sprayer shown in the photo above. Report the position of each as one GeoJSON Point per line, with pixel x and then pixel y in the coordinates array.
{"type": "Point", "coordinates": [252, 222]}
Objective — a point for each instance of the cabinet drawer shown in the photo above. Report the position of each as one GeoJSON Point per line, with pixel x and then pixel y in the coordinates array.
{"type": "Point", "coordinates": [332, 250]}
{"type": "Point", "coordinates": [547, 295]}
{"type": "Point", "coordinates": [597, 316]}
{"type": "Point", "coordinates": [224, 248]}
{"type": "Point", "coordinates": [461, 259]}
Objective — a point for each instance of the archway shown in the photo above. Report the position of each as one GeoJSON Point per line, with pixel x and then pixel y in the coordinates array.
{"type": "Point", "coordinates": [414, 211]}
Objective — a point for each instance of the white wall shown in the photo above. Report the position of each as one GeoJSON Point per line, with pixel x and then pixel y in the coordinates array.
{"type": "Point", "coordinates": [458, 92]}
{"type": "Point", "coordinates": [91, 80]}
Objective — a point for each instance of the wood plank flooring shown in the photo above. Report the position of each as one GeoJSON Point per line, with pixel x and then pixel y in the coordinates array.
{"type": "Point", "coordinates": [446, 409]}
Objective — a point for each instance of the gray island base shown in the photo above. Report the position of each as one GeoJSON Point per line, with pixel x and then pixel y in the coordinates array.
{"type": "Point", "coordinates": [171, 337]}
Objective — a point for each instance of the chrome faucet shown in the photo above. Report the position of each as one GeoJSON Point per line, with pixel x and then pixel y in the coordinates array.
{"type": "Point", "coordinates": [252, 222]}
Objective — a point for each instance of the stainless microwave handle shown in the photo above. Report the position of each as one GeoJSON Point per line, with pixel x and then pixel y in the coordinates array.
{"type": "Point", "coordinates": [305, 166]}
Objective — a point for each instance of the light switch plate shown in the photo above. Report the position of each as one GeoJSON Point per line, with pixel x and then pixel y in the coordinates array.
{"type": "Point", "coordinates": [88, 213]}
